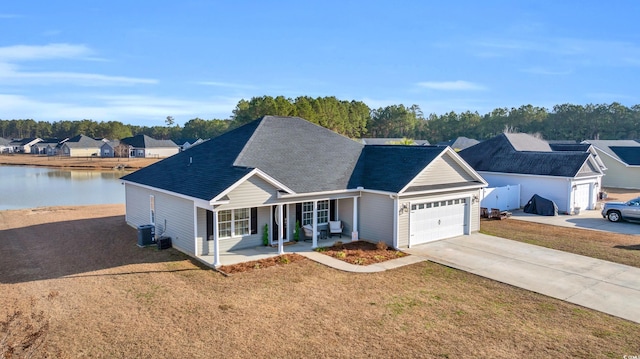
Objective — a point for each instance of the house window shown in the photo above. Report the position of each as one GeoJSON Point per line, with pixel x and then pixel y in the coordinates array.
{"type": "Point", "coordinates": [234, 223]}
{"type": "Point", "coordinates": [323, 212]}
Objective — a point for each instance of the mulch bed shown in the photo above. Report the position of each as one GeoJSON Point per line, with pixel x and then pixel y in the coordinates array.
{"type": "Point", "coordinates": [360, 253]}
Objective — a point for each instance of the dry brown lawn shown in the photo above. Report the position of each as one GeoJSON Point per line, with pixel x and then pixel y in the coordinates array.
{"type": "Point", "coordinates": [75, 162]}
{"type": "Point", "coordinates": [73, 283]}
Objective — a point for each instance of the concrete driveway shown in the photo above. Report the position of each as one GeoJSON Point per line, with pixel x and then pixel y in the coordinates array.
{"type": "Point", "coordinates": [604, 286]}
{"type": "Point", "coordinates": [585, 220]}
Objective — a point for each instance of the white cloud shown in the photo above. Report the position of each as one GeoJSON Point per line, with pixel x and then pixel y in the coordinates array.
{"type": "Point", "coordinates": [226, 85]}
{"type": "Point", "coordinates": [451, 85]}
{"type": "Point", "coordinates": [43, 52]}
{"type": "Point", "coordinates": [132, 109]}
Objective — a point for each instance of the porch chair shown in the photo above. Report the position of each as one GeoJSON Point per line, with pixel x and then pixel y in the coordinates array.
{"type": "Point", "coordinates": [307, 233]}
{"type": "Point", "coordinates": [335, 227]}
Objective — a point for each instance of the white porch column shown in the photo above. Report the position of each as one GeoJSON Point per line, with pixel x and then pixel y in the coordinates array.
{"type": "Point", "coordinates": [314, 236]}
{"type": "Point", "coordinates": [280, 230]}
{"type": "Point", "coordinates": [216, 244]}
{"type": "Point", "coordinates": [354, 231]}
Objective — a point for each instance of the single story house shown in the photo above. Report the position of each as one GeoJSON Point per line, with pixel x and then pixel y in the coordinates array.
{"type": "Point", "coordinates": [572, 179]}
{"type": "Point", "coordinates": [622, 159]}
{"type": "Point", "coordinates": [5, 145]}
{"type": "Point", "coordinates": [274, 172]}
{"type": "Point", "coordinates": [143, 146]}
{"type": "Point", "coordinates": [45, 146]}
{"type": "Point", "coordinates": [24, 145]}
{"type": "Point", "coordinates": [80, 146]}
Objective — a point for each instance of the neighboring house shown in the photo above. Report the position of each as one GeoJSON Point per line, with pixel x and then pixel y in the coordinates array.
{"type": "Point", "coordinates": [144, 146]}
{"type": "Point", "coordinates": [24, 145]}
{"type": "Point", "coordinates": [219, 196]}
{"type": "Point", "coordinates": [44, 147]}
{"type": "Point", "coordinates": [80, 146]}
{"type": "Point", "coordinates": [569, 178]}
{"type": "Point", "coordinates": [622, 159]}
{"type": "Point", "coordinates": [459, 143]}
{"type": "Point", "coordinates": [392, 141]}
{"type": "Point", "coordinates": [108, 148]}
{"type": "Point", "coordinates": [5, 146]}
{"type": "Point", "coordinates": [185, 144]}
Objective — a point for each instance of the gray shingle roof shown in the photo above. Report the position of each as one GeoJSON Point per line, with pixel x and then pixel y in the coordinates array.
{"type": "Point", "coordinates": [4, 141]}
{"type": "Point", "coordinates": [303, 156]}
{"type": "Point", "coordinates": [460, 143]}
{"type": "Point", "coordinates": [81, 141]}
{"type": "Point", "coordinates": [607, 146]}
{"type": "Point", "coordinates": [390, 168]}
{"type": "Point", "coordinates": [144, 141]}
{"type": "Point", "coordinates": [526, 142]}
{"type": "Point", "coordinates": [570, 146]}
{"type": "Point", "coordinates": [628, 154]}
{"type": "Point", "coordinates": [498, 154]}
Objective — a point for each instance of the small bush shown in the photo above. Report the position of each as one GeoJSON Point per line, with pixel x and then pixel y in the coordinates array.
{"type": "Point", "coordinates": [341, 255]}
{"type": "Point", "coordinates": [382, 246]}
{"type": "Point", "coordinates": [284, 260]}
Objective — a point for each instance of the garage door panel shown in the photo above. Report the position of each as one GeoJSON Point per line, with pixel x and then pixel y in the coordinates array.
{"type": "Point", "coordinates": [437, 220]}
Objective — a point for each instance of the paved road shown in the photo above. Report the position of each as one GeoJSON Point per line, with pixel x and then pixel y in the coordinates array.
{"type": "Point", "coordinates": [604, 286]}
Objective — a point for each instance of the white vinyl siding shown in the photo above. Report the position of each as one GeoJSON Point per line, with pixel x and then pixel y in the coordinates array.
{"type": "Point", "coordinates": [251, 193]}
{"type": "Point", "coordinates": [376, 218]}
{"type": "Point", "coordinates": [443, 170]}
{"type": "Point", "coordinates": [174, 215]}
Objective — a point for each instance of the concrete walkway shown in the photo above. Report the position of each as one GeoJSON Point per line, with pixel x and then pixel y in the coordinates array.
{"type": "Point", "coordinates": [600, 285]}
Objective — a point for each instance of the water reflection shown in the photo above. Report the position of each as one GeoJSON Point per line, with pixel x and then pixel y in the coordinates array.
{"type": "Point", "coordinates": [27, 187]}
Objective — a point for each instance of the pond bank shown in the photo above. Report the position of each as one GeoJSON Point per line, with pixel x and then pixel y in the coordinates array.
{"type": "Point", "coordinates": [87, 163]}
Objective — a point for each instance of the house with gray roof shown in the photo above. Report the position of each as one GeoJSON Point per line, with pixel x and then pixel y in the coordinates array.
{"type": "Point", "coordinates": [622, 159]}
{"type": "Point", "coordinates": [572, 179]}
{"type": "Point", "coordinates": [23, 145]}
{"type": "Point", "coordinates": [80, 146]}
{"type": "Point", "coordinates": [460, 143]}
{"type": "Point", "coordinates": [5, 145]}
{"type": "Point", "coordinates": [143, 146]}
{"type": "Point", "coordinates": [276, 172]}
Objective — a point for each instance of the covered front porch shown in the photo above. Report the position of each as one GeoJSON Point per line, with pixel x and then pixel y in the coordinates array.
{"type": "Point", "coordinates": [232, 257]}
{"type": "Point", "coordinates": [226, 235]}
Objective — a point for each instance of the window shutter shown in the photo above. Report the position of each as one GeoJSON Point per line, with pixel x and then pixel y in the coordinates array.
{"type": "Point", "coordinates": [299, 213]}
{"type": "Point", "coordinates": [332, 210]}
{"type": "Point", "coordinates": [254, 220]}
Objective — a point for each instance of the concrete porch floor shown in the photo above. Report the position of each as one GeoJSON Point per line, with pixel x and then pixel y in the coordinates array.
{"type": "Point", "coordinates": [262, 252]}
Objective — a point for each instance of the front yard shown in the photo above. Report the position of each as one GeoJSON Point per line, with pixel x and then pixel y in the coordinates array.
{"type": "Point", "coordinates": [74, 284]}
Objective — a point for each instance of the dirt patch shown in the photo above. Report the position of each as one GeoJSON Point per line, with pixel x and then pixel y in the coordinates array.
{"type": "Point", "coordinates": [622, 195]}
{"type": "Point", "coordinates": [361, 252]}
{"type": "Point", "coordinates": [76, 162]}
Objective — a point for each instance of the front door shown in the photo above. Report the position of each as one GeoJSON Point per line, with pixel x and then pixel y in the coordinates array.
{"type": "Point", "coordinates": [275, 224]}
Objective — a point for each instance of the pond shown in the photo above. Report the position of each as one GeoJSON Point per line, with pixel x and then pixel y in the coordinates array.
{"type": "Point", "coordinates": [29, 187]}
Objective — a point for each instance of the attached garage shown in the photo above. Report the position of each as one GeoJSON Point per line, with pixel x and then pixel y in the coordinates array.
{"type": "Point", "coordinates": [435, 220]}
{"type": "Point", "coordinates": [581, 196]}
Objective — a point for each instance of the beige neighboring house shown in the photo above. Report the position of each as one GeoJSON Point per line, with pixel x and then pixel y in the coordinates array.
{"type": "Point", "coordinates": [622, 159]}
{"type": "Point", "coordinates": [143, 146]}
{"type": "Point", "coordinates": [24, 145]}
{"type": "Point", "coordinates": [81, 146]}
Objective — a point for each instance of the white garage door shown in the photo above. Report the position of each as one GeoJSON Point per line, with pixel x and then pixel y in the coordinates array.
{"type": "Point", "coordinates": [431, 221]}
{"type": "Point", "coordinates": [581, 196]}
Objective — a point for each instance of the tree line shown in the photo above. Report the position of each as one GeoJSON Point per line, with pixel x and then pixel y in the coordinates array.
{"type": "Point", "coordinates": [355, 119]}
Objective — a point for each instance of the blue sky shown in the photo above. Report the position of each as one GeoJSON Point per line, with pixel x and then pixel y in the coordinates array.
{"type": "Point", "coordinates": [140, 61]}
